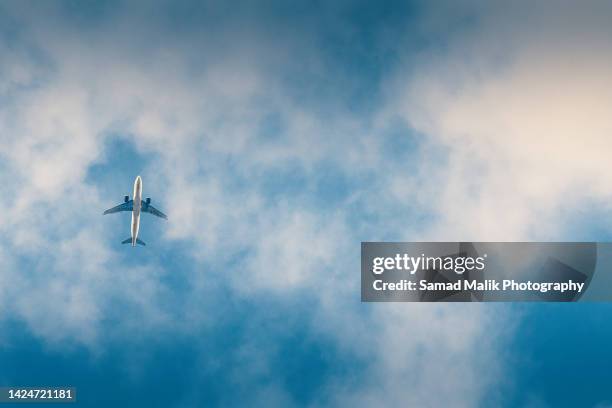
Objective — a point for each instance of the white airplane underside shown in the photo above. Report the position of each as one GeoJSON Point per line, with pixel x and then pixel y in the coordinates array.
{"type": "Point", "coordinates": [136, 206]}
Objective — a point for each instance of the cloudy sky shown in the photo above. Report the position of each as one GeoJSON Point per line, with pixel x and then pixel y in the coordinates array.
{"type": "Point", "coordinates": [277, 136]}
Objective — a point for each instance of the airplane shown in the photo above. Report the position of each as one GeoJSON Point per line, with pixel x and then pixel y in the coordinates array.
{"type": "Point", "coordinates": [136, 206]}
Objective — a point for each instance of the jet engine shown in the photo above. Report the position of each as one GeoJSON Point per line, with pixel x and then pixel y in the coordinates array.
{"type": "Point", "coordinates": [148, 201]}
{"type": "Point", "coordinates": [126, 199]}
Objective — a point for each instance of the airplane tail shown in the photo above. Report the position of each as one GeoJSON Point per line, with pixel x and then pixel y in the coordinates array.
{"type": "Point", "coordinates": [129, 241]}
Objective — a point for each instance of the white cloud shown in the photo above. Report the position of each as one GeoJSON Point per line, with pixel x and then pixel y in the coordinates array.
{"type": "Point", "coordinates": [429, 356]}
{"type": "Point", "coordinates": [519, 105]}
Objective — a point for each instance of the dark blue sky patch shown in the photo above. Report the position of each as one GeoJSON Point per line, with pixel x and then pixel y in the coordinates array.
{"type": "Point", "coordinates": [178, 366]}
{"type": "Point", "coordinates": [562, 347]}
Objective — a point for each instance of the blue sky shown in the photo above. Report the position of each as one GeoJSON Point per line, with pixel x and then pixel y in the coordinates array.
{"type": "Point", "coordinates": [277, 137]}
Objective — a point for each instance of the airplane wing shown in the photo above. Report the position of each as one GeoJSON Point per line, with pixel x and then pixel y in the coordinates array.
{"type": "Point", "coordinates": [152, 210]}
{"type": "Point", "coordinates": [121, 207]}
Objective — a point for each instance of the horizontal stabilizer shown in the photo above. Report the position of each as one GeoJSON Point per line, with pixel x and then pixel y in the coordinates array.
{"type": "Point", "coordinates": [129, 241]}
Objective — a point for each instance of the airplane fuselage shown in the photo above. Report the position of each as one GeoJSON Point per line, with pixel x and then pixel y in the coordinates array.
{"type": "Point", "coordinates": [136, 209]}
